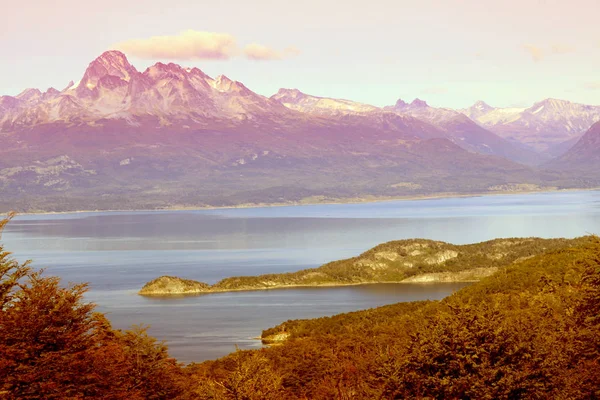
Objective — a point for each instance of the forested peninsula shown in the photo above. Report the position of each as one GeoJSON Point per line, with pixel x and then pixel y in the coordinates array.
{"type": "Point", "coordinates": [406, 261]}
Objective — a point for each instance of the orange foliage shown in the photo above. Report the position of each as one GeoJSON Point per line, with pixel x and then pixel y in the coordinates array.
{"type": "Point", "coordinates": [54, 346]}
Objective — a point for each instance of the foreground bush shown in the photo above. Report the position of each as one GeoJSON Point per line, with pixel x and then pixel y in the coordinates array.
{"type": "Point", "coordinates": [54, 346]}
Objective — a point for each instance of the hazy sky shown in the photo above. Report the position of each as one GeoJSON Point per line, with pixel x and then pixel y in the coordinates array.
{"type": "Point", "coordinates": [448, 52]}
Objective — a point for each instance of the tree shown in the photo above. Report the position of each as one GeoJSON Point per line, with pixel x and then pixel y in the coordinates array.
{"type": "Point", "coordinates": [54, 346]}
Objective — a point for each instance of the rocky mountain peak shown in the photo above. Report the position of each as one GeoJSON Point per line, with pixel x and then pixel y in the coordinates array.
{"type": "Point", "coordinates": [415, 104]}
{"type": "Point", "coordinates": [481, 105]}
{"type": "Point", "coordinates": [555, 104]}
{"type": "Point", "coordinates": [400, 104]}
{"type": "Point", "coordinates": [113, 63]}
{"type": "Point", "coordinates": [222, 83]}
{"type": "Point", "coordinates": [418, 103]}
{"type": "Point", "coordinates": [29, 94]}
{"type": "Point", "coordinates": [288, 95]}
{"type": "Point", "coordinates": [197, 72]}
{"type": "Point", "coordinates": [161, 70]}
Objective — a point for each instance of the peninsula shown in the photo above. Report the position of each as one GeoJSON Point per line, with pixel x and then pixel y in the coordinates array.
{"type": "Point", "coordinates": [402, 261]}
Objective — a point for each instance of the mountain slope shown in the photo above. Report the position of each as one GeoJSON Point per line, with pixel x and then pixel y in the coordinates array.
{"type": "Point", "coordinates": [583, 156]}
{"type": "Point", "coordinates": [450, 124]}
{"type": "Point", "coordinates": [477, 110]}
{"type": "Point", "coordinates": [296, 100]}
{"type": "Point", "coordinates": [543, 127]}
{"type": "Point", "coordinates": [464, 132]}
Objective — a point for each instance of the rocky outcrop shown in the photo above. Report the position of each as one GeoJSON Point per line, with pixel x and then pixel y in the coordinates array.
{"type": "Point", "coordinates": [172, 285]}
{"type": "Point", "coordinates": [274, 339]}
{"type": "Point", "coordinates": [472, 275]}
{"type": "Point", "coordinates": [441, 257]}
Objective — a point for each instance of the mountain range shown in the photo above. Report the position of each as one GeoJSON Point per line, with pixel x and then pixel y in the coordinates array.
{"type": "Point", "coordinates": [551, 126]}
{"type": "Point", "coordinates": [173, 136]}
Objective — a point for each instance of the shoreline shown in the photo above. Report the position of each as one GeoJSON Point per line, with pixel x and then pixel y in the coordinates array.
{"type": "Point", "coordinates": [442, 195]}
{"type": "Point", "coordinates": [311, 286]}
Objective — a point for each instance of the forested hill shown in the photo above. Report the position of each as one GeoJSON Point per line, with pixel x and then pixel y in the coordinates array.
{"type": "Point", "coordinates": [413, 260]}
{"type": "Point", "coordinates": [531, 330]}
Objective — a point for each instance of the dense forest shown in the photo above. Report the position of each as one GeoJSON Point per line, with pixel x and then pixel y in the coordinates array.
{"type": "Point", "coordinates": [531, 330]}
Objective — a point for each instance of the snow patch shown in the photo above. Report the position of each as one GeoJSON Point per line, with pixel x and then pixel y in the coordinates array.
{"type": "Point", "coordinates": [538, 109]}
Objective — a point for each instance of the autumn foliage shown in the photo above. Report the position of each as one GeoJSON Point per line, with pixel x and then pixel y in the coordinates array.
{"type": "Point", "coordinates": [529, 331]}
{"type": "Point", "coordinates": [54, 346]}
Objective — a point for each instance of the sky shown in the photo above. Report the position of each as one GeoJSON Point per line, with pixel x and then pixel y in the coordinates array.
{"type": "Point", "coordinates": [447, 52]}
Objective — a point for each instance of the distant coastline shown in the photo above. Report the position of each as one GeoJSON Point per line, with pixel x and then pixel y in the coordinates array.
{"type": "Point", "coordinates": [310, 202]}
{"type": "Point", "coordinates": [304, 286]}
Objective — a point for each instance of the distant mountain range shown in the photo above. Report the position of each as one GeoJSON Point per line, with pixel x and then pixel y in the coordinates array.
{"type": "Point", "coordinates": [173, 136]}
{"type": "Point", "coordinates": [550, 126]}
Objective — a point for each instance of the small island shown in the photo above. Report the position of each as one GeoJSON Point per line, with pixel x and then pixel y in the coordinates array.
{"type": "Point", "coordinates": [401, 261]}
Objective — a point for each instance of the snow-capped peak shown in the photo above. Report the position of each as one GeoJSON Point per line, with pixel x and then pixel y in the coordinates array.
{"type": "Point", "coordinates": [288, 95]}
{"type": "Point", "coordinates": [477, 110]}
{"type": "Point", "coordinates": [223, 79]}
{"type": "Point", "coordinates": [222, 83]}
{"type": "Point", "coordinates": [551, 103]}
{"type": "Point", "coordinates": [113, 63]}
{"type": "Point", "coordinates": [481, 105]}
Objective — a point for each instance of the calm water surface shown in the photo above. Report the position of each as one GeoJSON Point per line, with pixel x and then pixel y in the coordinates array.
{"type": "Point", "coordinates": [117, 252]}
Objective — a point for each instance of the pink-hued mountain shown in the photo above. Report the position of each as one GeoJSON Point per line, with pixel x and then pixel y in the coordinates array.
{"type": "Point", "coordinates": [550, 126]}
{"type": "Point", "coordinates": [111, 88]}
{"type": "Point", "coordinates": [449, 123]}
{"type": "Point", "coordinates": [464, 132]}
{"type": "Point", "coordinates": [584, 156]}
{"type": "Point", "coordinates": [169, 136]}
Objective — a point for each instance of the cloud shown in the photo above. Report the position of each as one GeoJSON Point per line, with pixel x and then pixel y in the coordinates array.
{"type": "Point", "coordinates": [592, 85]}
{"type": "Point", "coordinates": [256, 51]}
{"type": "Point", "coordinates": [188, 45]}
{"type": "Point", "coordinates": [196, 45]}
{"type": "Point", "coordinates": [561, 48]}
{"type": "Point", "coordinates": [536, 53]}
{"type": "Point", "coordinates": [435, 90]}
